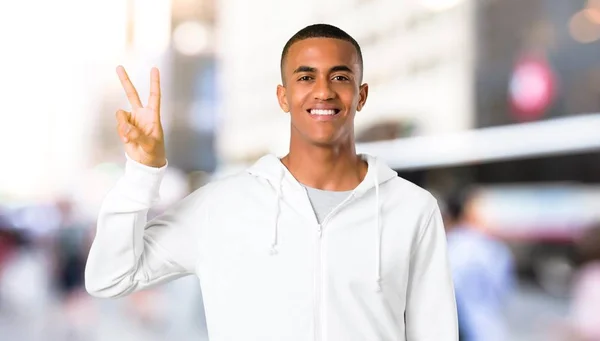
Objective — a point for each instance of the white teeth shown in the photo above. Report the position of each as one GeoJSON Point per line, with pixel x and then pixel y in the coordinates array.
{"type": "Point", "coordinates": [322, 112]}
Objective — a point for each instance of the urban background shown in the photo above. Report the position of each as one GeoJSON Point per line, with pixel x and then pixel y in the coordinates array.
{"type": "Point", "coordinates": [498, 100]}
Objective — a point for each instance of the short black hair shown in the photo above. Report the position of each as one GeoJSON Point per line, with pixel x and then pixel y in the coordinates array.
{"type": "Point", "coordinates": [321, 31]}
{"type": "Point", "coordinates": [456, 201]}
{"type": "Point", "coordinates": [586, 247]}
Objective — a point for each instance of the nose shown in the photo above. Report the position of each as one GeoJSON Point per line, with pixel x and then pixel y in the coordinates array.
{"type": "Point", "coordinates": [322, 89]}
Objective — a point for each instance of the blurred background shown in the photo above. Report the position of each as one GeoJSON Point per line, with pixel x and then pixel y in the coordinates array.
{"type": "Point", "coordinates": [492, 105]}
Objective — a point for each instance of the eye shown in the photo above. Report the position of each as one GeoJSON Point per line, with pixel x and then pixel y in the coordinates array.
{"type": "Point", "coordinates": [305, 78]}
{"type": "Point", "coordinates": [341, 78]}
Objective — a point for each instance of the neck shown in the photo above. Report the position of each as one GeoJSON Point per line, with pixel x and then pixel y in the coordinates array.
{"type": "Point", "coordinates": [331, 168]}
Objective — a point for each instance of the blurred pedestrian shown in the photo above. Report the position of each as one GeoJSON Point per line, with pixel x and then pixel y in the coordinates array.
{"type": "Point", "coordinates": [585, 305]}
{"type": "Point", "coordinates": [482, 268]}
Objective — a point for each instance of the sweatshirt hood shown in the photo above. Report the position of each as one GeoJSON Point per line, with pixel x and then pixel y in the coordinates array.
{"type": "Point", "coordinates": [272, 169]}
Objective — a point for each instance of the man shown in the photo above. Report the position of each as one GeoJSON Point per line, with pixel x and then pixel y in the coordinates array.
{"type": "Point", "coordinates": [322, 244]}
{"type": "Point", "coordinates": [482, 268]}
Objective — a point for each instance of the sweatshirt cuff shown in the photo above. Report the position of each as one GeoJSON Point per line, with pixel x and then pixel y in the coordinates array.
{"type": "Point", "coordinates": [142, 182]}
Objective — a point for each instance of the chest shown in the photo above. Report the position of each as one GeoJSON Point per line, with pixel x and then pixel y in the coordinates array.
{"type": "Point", "coordinates": [347, 247]}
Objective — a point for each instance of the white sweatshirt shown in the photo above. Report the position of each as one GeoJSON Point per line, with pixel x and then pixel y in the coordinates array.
{"type": "Point", "coordinates": [376, 269]}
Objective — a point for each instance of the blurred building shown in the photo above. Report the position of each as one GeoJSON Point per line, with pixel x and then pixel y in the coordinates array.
{"type": "Point", "coordinates": [537, 60]}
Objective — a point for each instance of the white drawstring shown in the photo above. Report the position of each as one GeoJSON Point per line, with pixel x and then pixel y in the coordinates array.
{"type": "Point", "coordinates": [273, 250]}
{"type": "Point", "coordinates": [378, 284]}
{"type": "Point", "coordinates": [274, 244]}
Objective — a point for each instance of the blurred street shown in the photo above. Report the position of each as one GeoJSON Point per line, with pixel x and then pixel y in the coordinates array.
{"type": "Point", "coordinates": [113, 322]}
{"type": "Point", "coordinates": [128, 319]}
{"type": "Point", "coordinates": [531, 311]}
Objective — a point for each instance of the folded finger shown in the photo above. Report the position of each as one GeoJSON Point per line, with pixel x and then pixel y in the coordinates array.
{"type": "Point", "coordinates": [123, 116]}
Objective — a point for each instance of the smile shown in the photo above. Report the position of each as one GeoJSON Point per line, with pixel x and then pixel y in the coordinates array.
{"type": "Point", "coordinates": [323, 112]}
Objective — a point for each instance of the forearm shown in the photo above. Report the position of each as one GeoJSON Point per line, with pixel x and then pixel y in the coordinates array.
{"type": "Point", "coordinates": [120, 259]}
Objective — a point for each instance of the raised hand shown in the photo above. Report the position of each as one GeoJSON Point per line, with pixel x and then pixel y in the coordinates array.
{"type": "Point", "coordinates": [140, 130]}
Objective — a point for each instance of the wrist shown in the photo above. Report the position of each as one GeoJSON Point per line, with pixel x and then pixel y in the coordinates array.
{"type": "Point", "coordinates": [156, 163]}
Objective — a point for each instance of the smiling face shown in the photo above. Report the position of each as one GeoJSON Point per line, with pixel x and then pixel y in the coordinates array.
{"type": "Point", "coordinates": [322, 90]}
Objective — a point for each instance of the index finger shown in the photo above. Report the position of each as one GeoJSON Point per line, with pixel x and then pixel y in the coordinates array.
{"type": "Point", "coordinates": [132, 95]}
{"type": "Point", "coordinates": [154, 100]}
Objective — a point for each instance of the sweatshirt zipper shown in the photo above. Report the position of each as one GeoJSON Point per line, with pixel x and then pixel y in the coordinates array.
{"type": "Point", "coordinates": [319, 271]}
{"type": "Point", "coordinates": [318, 284]}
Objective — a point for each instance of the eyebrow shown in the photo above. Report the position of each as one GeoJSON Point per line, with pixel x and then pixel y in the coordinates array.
{"type": "Point", "coordinates": [304, 68]}
{"type": "Point", "coordinates": [341, 68]}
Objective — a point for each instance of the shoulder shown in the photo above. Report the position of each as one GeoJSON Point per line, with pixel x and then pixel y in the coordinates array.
{"type": "Point", "coordinates": [406, 193]}
{"type": "Point", "coordinates": [228, 187]}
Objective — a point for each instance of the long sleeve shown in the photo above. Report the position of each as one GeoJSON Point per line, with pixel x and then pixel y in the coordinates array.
{"type": "Point", "coordinates": [129, 253]}
{"type": "Point", "coordinates": [431, 313]}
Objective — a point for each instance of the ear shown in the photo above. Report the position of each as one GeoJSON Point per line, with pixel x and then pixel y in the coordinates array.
{"type": "Point", "coordinates": [282, 98]}
{"type": "Point", "coordinates": [363, 92]}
